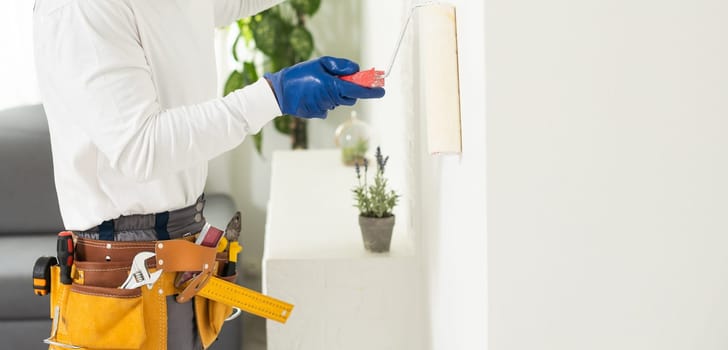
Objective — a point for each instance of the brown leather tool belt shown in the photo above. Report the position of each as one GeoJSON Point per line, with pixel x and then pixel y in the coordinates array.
{"type": "Point", "coordinates": [95, 313]}
{"type": "Point", "coordinates": [107, 263]}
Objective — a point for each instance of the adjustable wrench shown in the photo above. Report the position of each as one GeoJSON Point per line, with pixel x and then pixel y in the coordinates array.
{"type": "Point", "coordinates": [139, 274]}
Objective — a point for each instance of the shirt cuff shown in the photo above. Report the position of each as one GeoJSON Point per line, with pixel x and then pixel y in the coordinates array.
{"type": "Point", "coordinates": [261, 105]}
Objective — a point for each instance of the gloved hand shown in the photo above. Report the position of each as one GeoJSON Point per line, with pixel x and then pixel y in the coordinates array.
{"type": "Point", "coordinates": [309, 89]}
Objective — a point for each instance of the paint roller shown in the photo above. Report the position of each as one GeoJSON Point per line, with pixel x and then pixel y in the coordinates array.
{"type": "Point", "coordinates": [440, 95]}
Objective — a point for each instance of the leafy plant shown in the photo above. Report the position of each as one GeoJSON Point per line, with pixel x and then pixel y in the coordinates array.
{"type": "Point", "coordinates": [280, 34]}
{"type": "Point", "coordinates": [374, 200]}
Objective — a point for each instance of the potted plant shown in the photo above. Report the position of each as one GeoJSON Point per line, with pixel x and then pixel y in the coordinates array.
{"type": "Point", "coordinates": [375, 203]}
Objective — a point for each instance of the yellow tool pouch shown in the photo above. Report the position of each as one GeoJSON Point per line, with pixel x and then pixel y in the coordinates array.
{"type": "Point", "coordinates": [92, 313]}
{"type": "Point", "coordinates": [88, 317]}
{"type": "Point", "coordinates": [211, 316]}
{"type": "Point", "coordinates": [103, 318]}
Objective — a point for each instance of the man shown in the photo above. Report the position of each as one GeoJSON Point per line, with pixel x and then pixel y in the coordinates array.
{"type": "Point", "coordinates": [129, 90]}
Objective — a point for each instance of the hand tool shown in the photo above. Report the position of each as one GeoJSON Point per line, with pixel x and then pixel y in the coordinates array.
{"type": "Point", "coordinates": [232, 234]}
{"type": "Point", "coordinates": [64, 249]}
{"type": "Point", "coordinates": [232, 230]}
{"type": "Point", "coordinates": [208, 237]}
{"type": "Point", "coordinates": [222, 246]}
{"type": "Point", "coordinates": [235, 314]}
{"type": "Point", "coordinates": [246, 299]}
{"type": "Point", "coordinates": [375, 78]}
{"type": "Point", "coordinates": [42, 274]}
{"type": "Point", "coordinates": [139, 275]}
{"type": "Point", "coordinates": [367, 78]}
{"type": "Point", "coordinates": [233, 249]}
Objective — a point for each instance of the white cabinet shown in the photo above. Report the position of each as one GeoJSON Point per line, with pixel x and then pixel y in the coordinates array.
{"type": "Point", "coordinates": [344, 296]}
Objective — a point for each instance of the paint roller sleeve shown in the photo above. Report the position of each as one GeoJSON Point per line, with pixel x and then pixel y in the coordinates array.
{"type": "Point", "coordinates": [441, 93]}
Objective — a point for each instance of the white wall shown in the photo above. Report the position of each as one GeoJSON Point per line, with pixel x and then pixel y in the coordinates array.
{"type": "Point", "coordinates": [444, 197]}
{"type": "Point", "coordinates": [18, 83]}
{"type": "Point", "coordinates": [607, 174]}
{"type": "Point", "coordinates": [452, 201]}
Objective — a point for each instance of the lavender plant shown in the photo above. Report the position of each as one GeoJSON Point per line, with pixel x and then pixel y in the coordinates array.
{"type": "Point", "coordinates": [374, 200]}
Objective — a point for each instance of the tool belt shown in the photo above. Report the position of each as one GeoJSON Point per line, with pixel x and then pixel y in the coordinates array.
{"type": "Point", "coordinates": [94, 313]}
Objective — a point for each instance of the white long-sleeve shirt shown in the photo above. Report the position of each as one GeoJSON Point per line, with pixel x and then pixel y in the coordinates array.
{"type": "Point", "coordinates": [129, 90]}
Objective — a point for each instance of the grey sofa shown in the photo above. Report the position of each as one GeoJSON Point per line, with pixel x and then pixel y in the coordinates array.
{"type": "Point", "coordinates": [30, 220]}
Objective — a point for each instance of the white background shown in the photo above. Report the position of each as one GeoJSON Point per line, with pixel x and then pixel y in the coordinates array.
{"type": "Point", "coordinates": [18, 84]}
{"type": "Point", "coordinates": [607, 174]}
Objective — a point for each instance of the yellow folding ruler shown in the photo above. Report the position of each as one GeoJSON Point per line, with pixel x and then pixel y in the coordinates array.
{"type": "Point", "coordinates": [246, 299]}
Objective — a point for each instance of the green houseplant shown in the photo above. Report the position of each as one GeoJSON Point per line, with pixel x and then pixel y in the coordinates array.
{"type": "Point", "coordinates": [375, 203]}
{"type": "Point", "coordinates": [280, 34]}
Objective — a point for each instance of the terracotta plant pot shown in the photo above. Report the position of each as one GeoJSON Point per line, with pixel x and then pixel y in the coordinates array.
{"type": "Point", "coordinates": [376, 233]}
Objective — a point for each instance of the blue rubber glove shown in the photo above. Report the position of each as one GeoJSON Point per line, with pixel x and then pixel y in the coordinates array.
{"type": "Point", "coordinates": [310, 89]}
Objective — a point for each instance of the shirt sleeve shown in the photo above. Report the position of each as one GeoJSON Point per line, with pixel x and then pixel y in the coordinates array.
{"type": "Point", "coordinates": [110, 96]}
{"type": "Point", "coordinates": [228, 11]}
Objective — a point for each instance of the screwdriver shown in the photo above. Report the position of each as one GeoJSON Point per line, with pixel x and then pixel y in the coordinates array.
{"type": "Point", "coordinates": [230, 267]}
{"type": "Point", "coordinates": [64, 249]}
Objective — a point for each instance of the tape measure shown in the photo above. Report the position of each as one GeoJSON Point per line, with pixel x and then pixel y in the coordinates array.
{"type": "Point", "coordinates": [42, 274]}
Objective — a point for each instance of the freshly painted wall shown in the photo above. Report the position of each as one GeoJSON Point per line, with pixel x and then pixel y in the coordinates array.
{"type": "Point", "coordinates": [444, 196]}
{"type": "Point", "coordinates": [607, 174]}
{"type": "Point", "coordinates": [452, 200]}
